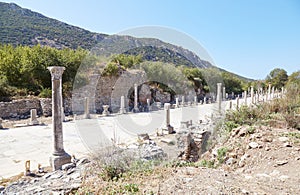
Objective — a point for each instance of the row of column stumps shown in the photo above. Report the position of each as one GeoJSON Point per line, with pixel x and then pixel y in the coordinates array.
{"type": "Point", "coordinates": [221, 96]}
{"type": "Point", "coordinates": [258, 96]}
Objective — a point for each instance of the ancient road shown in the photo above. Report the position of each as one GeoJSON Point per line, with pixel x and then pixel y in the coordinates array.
{"type": "Point", "coordinates": [35, 143]}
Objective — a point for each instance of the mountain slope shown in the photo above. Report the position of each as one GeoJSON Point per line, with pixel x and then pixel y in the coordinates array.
{"type": "Point", "coordinates": [19, 26]}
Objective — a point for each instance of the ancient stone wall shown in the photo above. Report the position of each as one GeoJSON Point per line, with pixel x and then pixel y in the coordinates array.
{"type": "Point", "coordinates": [20, 109]}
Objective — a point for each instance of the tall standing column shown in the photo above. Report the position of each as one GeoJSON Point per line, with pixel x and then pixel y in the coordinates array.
{"type": "Point", "coordinates": [59, 156]}
{"type": "Point", "coordinates": [136, 108]}
{"type": "Point", "coordinates": [219, 96]}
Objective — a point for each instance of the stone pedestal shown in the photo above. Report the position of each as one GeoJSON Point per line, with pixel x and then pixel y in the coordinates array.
{"type": "Point", "coordinates": [59, 156]}
{"type": "Point", "coordinates": [105, 110]}
{"type": "Point", "coordinates": [33, 117]}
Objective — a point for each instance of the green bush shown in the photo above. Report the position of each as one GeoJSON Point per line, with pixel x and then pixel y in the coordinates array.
{"type": "Point", "coordinates": [221, 154]}
{"type": "Point", "coordinates": [45, 93]}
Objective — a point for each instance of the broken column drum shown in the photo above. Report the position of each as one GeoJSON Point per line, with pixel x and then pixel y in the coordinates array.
{"type": "Point", "coordinates": [33, 117]}
{"type": "Point", "coordinates": [59, 156]}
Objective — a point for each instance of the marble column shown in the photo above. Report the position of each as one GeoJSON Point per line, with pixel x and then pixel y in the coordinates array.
{"type": "Point", "coordinates": [245, 98]}
{"type": "Point", "coordinates": [148, 105]}
{"type": "Point", "coordinates": [86, 108]}
{"type": "Point", "coordinates": [224, 93]}
{"type": "Point", "coordinates": [273, 92]}
{"type": "Point", "coordinates": [177, 102]}
{"type": "Point", "coordinates": [59, 156]}
{"type": "Point", "coordinates": [237, 102]}
{"type": "Point", "coordinates": [122, 106]}
{"type": "Point", "coordinates": [136, 108]}
{"type": "Point", "coordinates": [196, 100]}
{"type": "Point", "coordinates": [252, 94]}
{"type": "Point", "coordinates": [269, 92]}
{"type": "Point", "coordinates": [219, 96]}
{"type": "Point", "coordinates": [167, 107]}
{"type": "Point", "coordinates": [182, 101]}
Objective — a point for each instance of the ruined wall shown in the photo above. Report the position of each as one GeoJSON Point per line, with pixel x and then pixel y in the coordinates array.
{"type": "Point", "coordinates": [20, 109]}
{"type": "Point", "coordinates": [124, 86]}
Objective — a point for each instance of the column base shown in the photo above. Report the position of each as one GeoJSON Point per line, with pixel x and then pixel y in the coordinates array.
{"type": "Point", "coordinates": [122, 111]}
{"type": "Point", "coordinates": [135, 110]}
{"type": "Point", "coordinates": [169, 129]}
{"type": "Point", "coordinates": [34, 122]}
{"type": "Point", "coordinates": [86, 116]}
{"type": "Point", "coordinates": [56, 162]}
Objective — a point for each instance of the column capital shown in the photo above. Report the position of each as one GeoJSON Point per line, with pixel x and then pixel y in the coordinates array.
{"type": "Point", "coordinates": [56, 72]}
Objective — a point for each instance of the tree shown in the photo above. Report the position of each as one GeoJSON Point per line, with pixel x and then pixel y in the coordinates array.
{"type": "Point", "coordinates": [277, 77]}
{"type": "Point", "coordinates": [294, 78]}
{"type": "Point", "coordinates": [232, 83]}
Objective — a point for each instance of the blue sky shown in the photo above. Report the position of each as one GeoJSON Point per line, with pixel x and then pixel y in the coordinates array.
{"type": "Point", "coordinates": [249, 38]}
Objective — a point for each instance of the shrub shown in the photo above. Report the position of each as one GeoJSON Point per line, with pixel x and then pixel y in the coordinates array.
{"type": "Point", "coordinates": [221, 154]}
{"type": "Point", "coordinates": [45, 93]}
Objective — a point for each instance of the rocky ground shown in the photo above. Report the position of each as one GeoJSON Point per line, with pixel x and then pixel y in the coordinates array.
{"type": "Point", "coordinates": [258, 160]}
{"type": "Point", "coordinates": [253, 160]}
